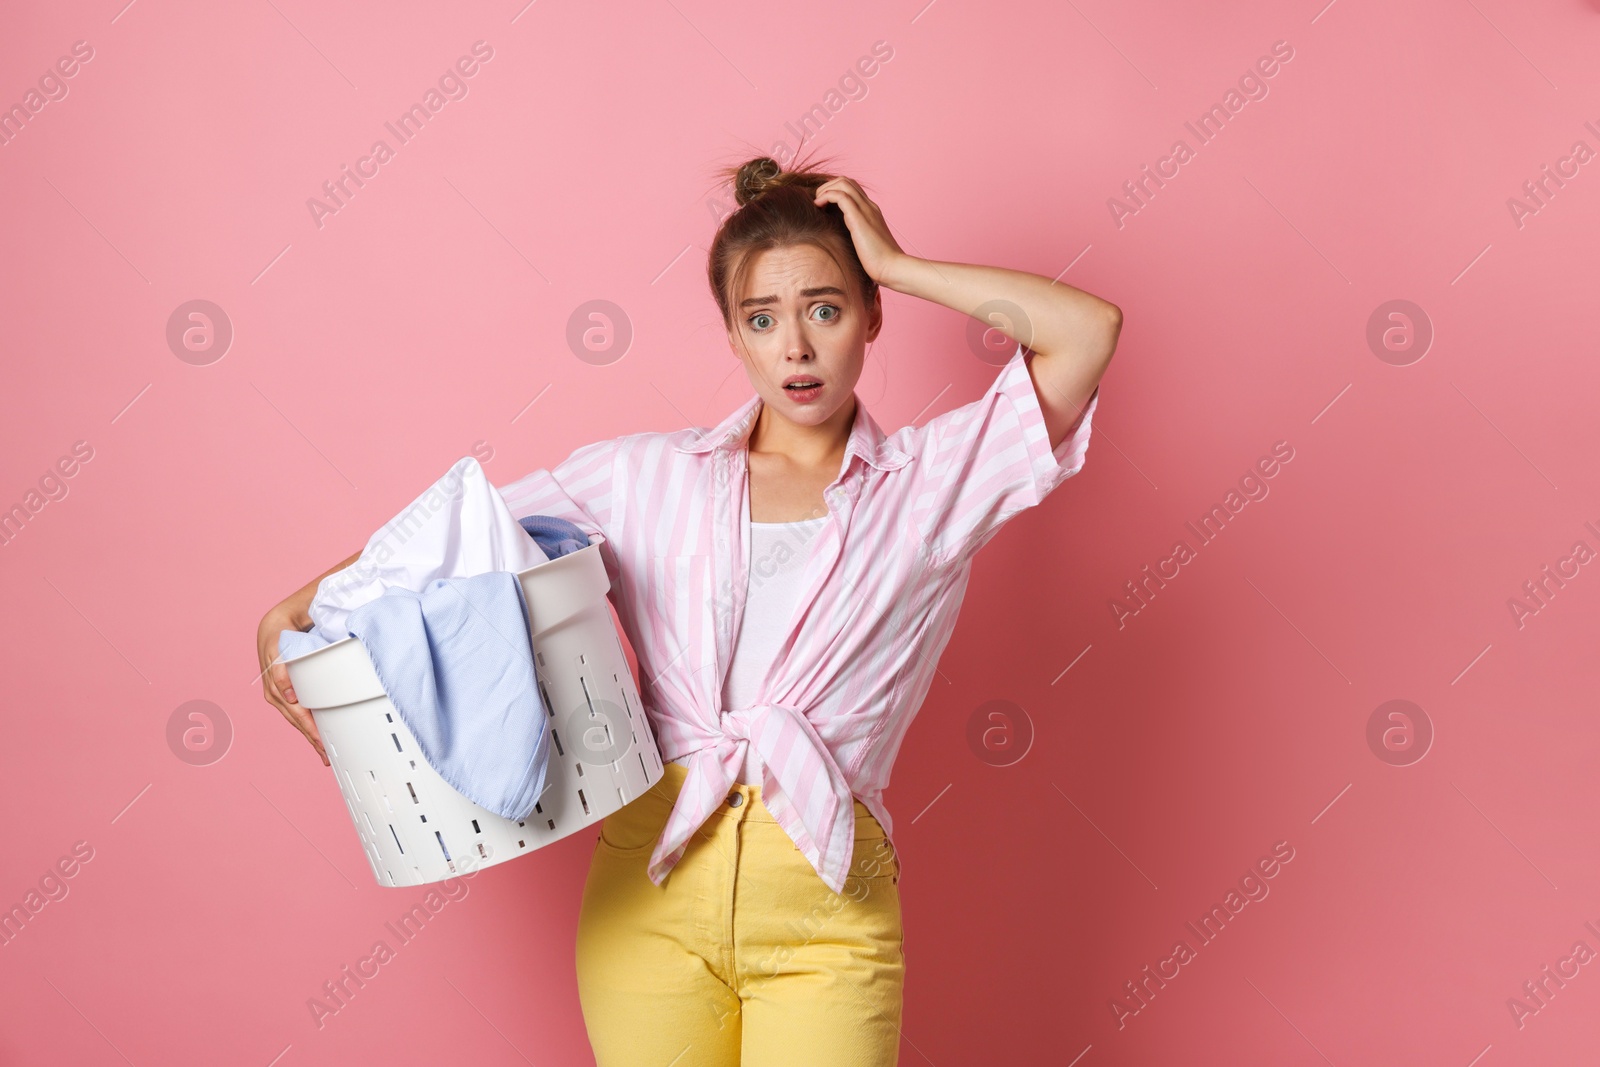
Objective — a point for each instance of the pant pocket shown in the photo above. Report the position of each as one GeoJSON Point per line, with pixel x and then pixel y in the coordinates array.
{"type": "Point", "coordinates": [636, 826]}
{"type": "Point", "coordinates": [874, 857]}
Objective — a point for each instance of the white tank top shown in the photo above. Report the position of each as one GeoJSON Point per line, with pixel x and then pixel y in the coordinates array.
{"type": "Point", "coordinates": [778, 552]}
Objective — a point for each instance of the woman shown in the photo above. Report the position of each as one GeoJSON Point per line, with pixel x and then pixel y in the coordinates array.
{"type": "Point", "coordinates": [788, 580]}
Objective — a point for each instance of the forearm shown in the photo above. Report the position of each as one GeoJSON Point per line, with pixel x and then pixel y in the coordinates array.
{"type": "Point", "coordinates": [295, 610]}
{"type": "Point", "coordinates": [1056, 319]}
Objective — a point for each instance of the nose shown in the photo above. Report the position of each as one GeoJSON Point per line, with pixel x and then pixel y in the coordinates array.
{"type": "Point", "coordinates": [798, 347]}
{"type": "Point", "coordinates": [797, 343]}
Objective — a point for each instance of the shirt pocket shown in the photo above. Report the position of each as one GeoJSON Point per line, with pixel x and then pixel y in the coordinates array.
{"type": "Point", "coordinates": [679, 607]}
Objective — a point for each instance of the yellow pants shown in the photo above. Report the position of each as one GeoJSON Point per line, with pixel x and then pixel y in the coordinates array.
{"type": "Point", "coordinates": [744, 956]}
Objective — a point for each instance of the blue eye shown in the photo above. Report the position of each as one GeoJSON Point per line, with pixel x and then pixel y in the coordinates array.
{"type": "Point", "coordinates": [754, 320]}
{"type": "Point", "coordinates": [833, 309]}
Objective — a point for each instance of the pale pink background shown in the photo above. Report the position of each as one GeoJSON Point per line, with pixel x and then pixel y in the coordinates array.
{"type": "Point", "coordinates": [420, 320]}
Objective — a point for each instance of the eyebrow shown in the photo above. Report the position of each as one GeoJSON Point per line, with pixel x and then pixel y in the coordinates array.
{"type": "Point", "coordinates": [825, 290]}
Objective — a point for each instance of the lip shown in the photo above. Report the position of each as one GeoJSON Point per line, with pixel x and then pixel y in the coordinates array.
{"type": "Point", "coordinates": [805, 396]}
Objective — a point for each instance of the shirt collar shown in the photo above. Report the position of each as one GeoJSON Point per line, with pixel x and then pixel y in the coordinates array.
{"type": "Point", "coordinates": [867, 439]}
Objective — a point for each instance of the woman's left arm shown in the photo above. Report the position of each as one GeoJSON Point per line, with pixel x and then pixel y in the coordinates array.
{"type": "Point", "coordinates": [1072, 333]}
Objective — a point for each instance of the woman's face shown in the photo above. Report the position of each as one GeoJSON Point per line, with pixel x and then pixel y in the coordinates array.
{"type": "Point", "coordinates": [800, 316]}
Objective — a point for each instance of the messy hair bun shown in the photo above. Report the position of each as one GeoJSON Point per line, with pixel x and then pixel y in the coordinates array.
{"type": "Point", "coordinates": [754, 178]}
{"type": "Point", "coordinates": [777, 209]}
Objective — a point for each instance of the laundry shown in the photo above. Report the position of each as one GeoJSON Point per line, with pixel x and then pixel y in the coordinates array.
{"type": "Point", "coordinates": [455, 662]}
{"type": "Point", "coordinates": [435, 601]}
{"type": "Point", "coordinates": [556, 536]}
{"type": "Point", "coordinates": [458, 527]}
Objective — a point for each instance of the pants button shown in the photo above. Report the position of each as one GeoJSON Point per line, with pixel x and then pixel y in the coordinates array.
{"type": "Point", "coordinates": [735, 798]}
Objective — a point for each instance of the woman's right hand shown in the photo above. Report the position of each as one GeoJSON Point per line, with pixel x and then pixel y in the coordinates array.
{"type": "Point", "coordinates": [275, 685]}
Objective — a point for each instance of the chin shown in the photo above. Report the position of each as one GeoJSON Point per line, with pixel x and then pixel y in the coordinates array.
{"type": "Point", "coordinates": [802, 414]}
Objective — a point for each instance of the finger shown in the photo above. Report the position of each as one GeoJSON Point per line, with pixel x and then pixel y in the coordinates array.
{"type": "Point", "coordinates": [830, 189]}
{"type": "Point", "coordinates": [846, 201]}
{"type": "Point", "coordinates": [309, 726]}
{"type": "Point", "coordinates": [853, 187]}
{"type": "Point", "coordinates": [279, 692]}
{"type": "Point", "coordinates": [854, 200]}
{"type": "Point", "coordinates": [315, 739]}
{"type": "Point", "coordinates": [280, 680]}
{"type": "Point", "coordinates": [301, 720]}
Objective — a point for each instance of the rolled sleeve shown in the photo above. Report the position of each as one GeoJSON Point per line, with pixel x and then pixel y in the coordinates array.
{"type": "Point", "coordinates": [987, 461]}
{"type": "Point", "coordinates": [578, 489]}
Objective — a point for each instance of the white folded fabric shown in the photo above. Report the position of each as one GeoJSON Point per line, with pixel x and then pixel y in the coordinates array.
{"type": "Point", "coordinates": [458, 528]}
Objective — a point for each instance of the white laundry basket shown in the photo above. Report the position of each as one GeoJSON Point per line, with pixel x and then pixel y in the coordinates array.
{"type": "Point", "coordinates": [414, 826]}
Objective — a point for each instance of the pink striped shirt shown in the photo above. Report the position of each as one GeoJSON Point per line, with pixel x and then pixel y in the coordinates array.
{"type": "Point", "coordinates": [883, 583]}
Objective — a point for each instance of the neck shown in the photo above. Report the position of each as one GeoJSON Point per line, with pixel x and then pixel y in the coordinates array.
{"type": "Point", "coordinates": [811, 446]}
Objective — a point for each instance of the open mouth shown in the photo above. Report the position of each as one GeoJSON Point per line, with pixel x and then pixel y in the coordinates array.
{"type": "Point", "coordinates": [802, 387]}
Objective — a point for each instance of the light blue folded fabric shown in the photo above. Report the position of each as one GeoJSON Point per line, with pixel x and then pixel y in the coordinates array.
{"type": "Point", "coordinates": [555, 536]}
{"type": "Point", "coordinates": [456, 664]}
{"type": "Point", "coordinates": [292, 644]}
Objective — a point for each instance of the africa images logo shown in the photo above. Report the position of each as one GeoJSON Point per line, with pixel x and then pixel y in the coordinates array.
{"type": "Point", "coordinates": [452, 85]}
